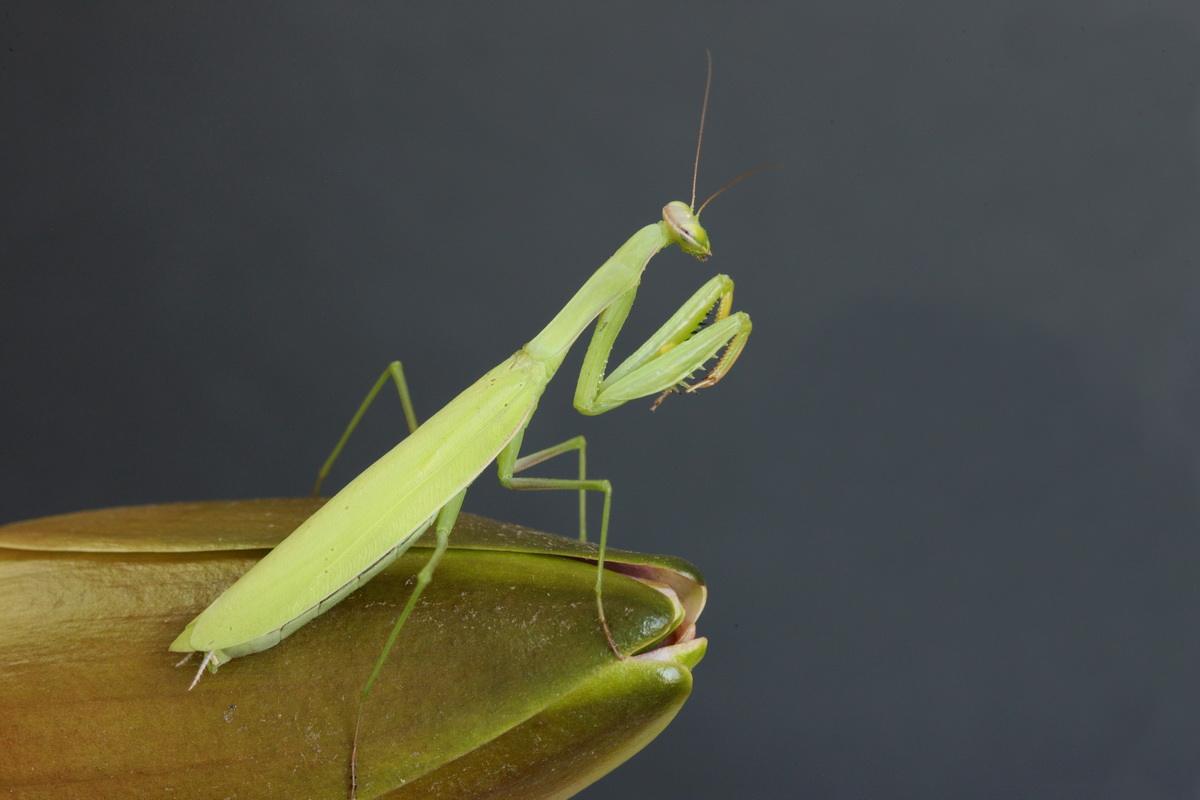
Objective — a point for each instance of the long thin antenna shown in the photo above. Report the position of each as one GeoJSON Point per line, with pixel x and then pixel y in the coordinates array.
{"type": "Point", "coordinates": [734, 182]}
{"type": "Point", "coordinates": [703, 114]}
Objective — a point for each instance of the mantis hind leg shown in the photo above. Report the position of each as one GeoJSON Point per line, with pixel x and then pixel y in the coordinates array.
{"type": "Point", "coordinates": [508, 463]}
{"type": "Point", "coordinates": [442, 527]}
{"type": "Point", "coordinates": [395, 371]}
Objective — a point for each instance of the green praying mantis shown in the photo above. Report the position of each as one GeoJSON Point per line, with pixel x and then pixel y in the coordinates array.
{"type": "Point", "coordinates": [423, 480]}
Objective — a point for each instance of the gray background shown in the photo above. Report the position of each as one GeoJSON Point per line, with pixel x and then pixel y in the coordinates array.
{"type": "Point", "coordinates": [946, 501]}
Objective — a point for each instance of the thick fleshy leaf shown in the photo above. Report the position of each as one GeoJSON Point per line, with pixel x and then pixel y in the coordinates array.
{"type": "Point", "coordinates": [501, 685]}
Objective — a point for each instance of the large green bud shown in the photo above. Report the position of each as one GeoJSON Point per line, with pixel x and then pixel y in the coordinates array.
{"type": "Point", "coordinates": [501, 685]}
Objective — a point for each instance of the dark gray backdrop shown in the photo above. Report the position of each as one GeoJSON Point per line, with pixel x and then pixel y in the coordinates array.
{"type": "Point", "coordinates": [946, 501]}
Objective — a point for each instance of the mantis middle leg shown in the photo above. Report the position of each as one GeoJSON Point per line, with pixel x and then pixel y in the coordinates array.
{"type": "Point", "coordinates": [577, 443]}
{"type": "Point", "coordinates": [395, 371]}
{"type": "Point", "coordinates": [507, 463]}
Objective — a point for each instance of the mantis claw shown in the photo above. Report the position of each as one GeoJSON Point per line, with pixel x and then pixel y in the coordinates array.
{"type": "Point", "coordinates": [708, 381]}
{"type": "Point", "coordinates": [612, 644]}
{"type": "Point", "coordinates": [658, 401]}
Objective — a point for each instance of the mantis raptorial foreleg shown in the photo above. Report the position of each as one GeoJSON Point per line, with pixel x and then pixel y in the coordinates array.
{"type": "Point", "coordinates": [727, 335]}
{"type": "Point", "coordinates": [669, 356]}
{"type": "Point", "coordinates": [395, 371]}
{"type": "Point", "coordinates": [717, 292]}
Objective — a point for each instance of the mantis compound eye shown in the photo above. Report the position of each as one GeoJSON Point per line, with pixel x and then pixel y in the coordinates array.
{"type": "Point", "coordinates": [686, 230]}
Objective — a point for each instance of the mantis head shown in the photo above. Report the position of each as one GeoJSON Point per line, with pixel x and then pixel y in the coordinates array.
{"type": "Point", "coordinates": [686, 230]}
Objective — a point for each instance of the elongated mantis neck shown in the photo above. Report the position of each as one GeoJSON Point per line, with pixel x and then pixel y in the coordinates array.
{"type": "Point", "coordinates": [616, 276]}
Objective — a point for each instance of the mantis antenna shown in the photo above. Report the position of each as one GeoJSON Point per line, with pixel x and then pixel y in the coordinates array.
{"type": "Point", "coordinates": [734, 181]}
{"type": "Point", "coordinates": [700, 141]}
{"type": "Point", "coordinates": [700, 135]}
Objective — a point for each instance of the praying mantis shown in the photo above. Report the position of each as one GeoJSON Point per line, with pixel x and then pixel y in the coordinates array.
{"type": "Point", "coordinates": [423, 480]}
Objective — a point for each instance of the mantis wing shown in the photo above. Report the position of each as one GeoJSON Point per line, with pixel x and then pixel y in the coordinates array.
{"type": "Point", "coordinates": [372, 520]}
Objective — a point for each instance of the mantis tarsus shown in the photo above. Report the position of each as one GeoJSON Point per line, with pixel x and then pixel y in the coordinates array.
{"type": "Point", "coordinates": [424, 478]}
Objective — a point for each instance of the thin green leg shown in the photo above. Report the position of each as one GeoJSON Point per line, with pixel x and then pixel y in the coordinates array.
{"type": "Point", "coordinates": [577, 443]}
{"type": "Point", "coordinates": [507, 463]}
{"type": "Point", "coordinates": [395, 371]}
{"type": "Point", "coordinates": [442, 527]}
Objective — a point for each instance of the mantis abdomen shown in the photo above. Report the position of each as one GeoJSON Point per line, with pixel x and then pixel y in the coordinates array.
{"type": "Point", "coordinates": [372, 520]}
